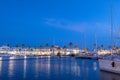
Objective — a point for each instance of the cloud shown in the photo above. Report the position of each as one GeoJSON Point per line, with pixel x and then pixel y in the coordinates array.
{"type": "Point", "coordinates": [64, 24]}
{"type": "Point", "coordinates": [78, 26]}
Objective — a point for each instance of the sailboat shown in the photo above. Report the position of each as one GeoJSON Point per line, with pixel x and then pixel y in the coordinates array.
{"type": "Point", "coordinates": [110, 63]}
{"type": "Point", "coordinates": [85, 54]}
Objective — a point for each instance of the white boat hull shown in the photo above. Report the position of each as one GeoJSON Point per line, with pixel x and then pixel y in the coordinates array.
{"type": "Point", "coordinates": [107, 65]}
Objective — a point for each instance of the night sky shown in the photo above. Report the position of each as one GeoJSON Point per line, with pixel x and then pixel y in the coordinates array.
{"type": "Point", "coordinates": [37, 22]}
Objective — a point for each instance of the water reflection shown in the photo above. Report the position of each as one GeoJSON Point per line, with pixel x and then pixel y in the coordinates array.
{"type": "Point", "coordinates": [88, 70]}
{"type": "Point", "coordinates": [67, 68]}
{"type": "Point", "coordinates": [76, 69]}
{"type": "Point", "coordinates": [0, 67]}
{"type": "Point", "coordinates": [109, 76]}
{"type": "Point", "coordinates": [11, 67]}
{"type": "Point", "coordinates": [95, 66]}
{"type": "Point", "coordinates": [24, 69]}
{"type": "Point", "coordinates": [48, 66]}
{"type": "Point", "coordinates": [36, 66]}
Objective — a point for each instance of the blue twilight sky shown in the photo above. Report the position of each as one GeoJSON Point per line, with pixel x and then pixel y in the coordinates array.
{"type": "Point", "coordinates": [37, 22]}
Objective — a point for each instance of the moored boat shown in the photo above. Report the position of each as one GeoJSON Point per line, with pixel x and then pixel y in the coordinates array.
{"type": "Point", "coordinates": [110, 65]}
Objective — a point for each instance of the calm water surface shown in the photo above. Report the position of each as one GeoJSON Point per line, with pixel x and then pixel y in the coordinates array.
{"type": "Point", "coordinates": [66, 68]}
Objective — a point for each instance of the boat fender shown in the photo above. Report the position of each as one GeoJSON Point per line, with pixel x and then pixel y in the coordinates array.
{"type": "Point", "coordinates": [113, 64]}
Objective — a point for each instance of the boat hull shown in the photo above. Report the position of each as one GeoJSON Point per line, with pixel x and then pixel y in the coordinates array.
{"type": "Point", "coordinates": [109, 66]}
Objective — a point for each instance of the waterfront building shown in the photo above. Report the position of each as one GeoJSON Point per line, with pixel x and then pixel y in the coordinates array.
{"type": "Point", "coordinates": [56, 50]}
{"type": "Point", "coordinates": [103, 52]}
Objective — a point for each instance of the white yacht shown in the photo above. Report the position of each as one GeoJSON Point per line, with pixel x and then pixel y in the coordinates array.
{"type": "Point", "coordinates": [110, 65]}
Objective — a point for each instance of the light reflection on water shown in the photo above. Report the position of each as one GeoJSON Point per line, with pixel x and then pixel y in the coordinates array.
{"type": "Point", "coordinates": [36, 67]}
{"type": "Point", "coordinates": [95, 66]}
{"type": "Point", "coordinates": [11, 67]}
{"type": "Point", "coordinates": [0, 67]}
{"type": "Point", "coordinates": [24, 68]}
{"type": "Point", "coordinates": [53, 69]}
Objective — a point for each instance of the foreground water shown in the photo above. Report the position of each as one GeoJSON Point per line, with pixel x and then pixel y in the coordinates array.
{"type": "Point", "coordinates": [67, 68]}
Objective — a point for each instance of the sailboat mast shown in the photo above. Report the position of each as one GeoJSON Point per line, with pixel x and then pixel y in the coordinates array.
{"type": "Point", "coordinates": [53, 42]}
{"type": "Point", "coordinates": [96, 40]}
{"type": "Point", "coordinates": [118, 37]}
{"type": "Point", "coordinates": [85, 45]}
{"type": "Point", "coordinates": [112, 40]}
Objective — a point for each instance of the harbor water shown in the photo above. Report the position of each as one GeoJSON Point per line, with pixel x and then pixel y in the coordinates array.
{"type": "Point", "coordinates": [53, 68]}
